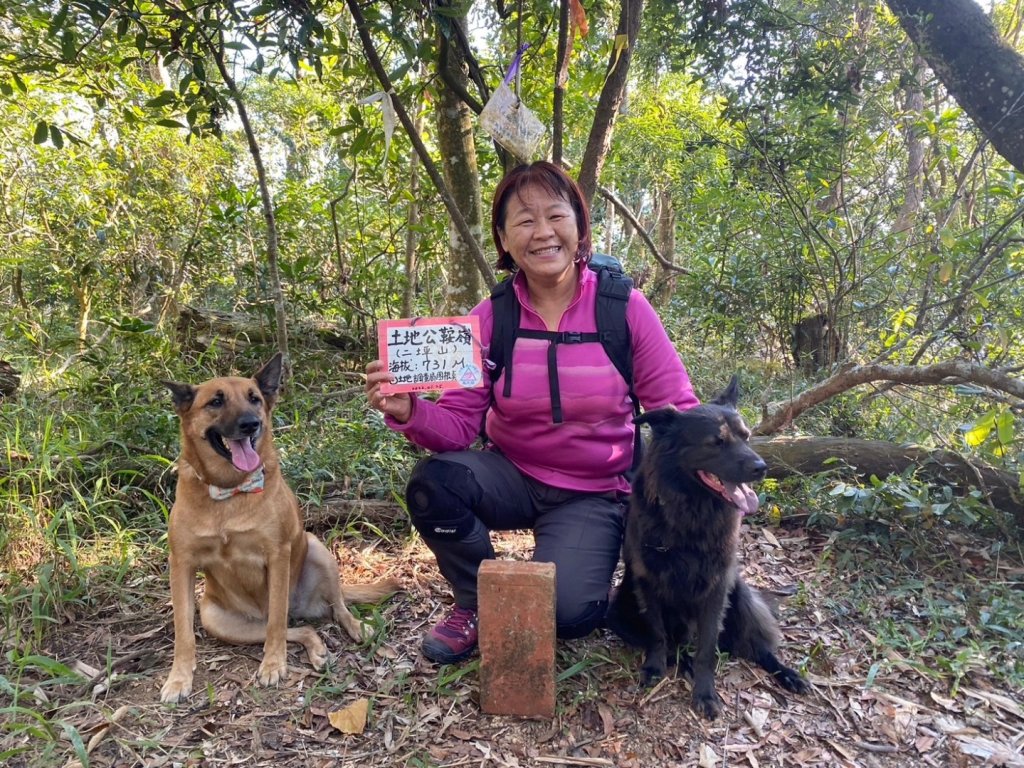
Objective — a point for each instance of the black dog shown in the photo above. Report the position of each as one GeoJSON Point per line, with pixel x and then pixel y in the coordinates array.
{"type": "Point", "coordinates": [681, 579]}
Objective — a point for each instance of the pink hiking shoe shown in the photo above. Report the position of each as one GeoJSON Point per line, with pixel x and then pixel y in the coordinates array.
{"type": "Point", "coordinates": [453, 639]}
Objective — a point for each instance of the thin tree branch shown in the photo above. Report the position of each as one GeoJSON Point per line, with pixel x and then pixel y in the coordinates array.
{"type": "Point", "coordinates": [944, 373]}
{"type": "Point", "coordinates": [623, 209]}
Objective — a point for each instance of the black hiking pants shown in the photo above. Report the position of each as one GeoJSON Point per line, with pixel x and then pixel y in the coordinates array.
{"type": "Point", "coordinates": [456, 499]}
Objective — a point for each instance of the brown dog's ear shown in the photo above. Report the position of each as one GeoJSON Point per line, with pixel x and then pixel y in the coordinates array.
{"type": "Point", "coordinates": [268, 378]}
{"type": "Point", "coordinates": [182, 394]}
{"type": "Point", "coordinates": [730, 395]}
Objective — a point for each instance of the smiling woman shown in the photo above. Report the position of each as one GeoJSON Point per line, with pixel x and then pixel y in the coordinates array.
{"type": "Point", "coordinates": [538, 230]}
{"type": "Point", "coordinates": [561, 476]}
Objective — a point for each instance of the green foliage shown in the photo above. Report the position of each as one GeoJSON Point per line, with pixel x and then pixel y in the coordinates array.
{"type": "Point", "coordinates": [904, 500]}
{"type": "Point", "coordinates": [775, 141]}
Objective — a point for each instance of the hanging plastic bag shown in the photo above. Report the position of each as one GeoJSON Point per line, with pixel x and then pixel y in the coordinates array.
{"type": "Point", "coordinates": [510, 123]}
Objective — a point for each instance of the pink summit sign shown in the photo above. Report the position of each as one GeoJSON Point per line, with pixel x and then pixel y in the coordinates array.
{"type": "Point", "coordinates": [431, 353]}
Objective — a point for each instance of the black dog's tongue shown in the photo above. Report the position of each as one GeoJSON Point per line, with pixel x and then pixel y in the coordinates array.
{"type": "Point", "coordinates": [741, 495]}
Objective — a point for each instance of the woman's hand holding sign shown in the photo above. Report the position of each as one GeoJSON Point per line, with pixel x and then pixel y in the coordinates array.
{"type": "Point", "coordinates": [397, 405]}
{"type": "Point", "coordinates": [422, 354]}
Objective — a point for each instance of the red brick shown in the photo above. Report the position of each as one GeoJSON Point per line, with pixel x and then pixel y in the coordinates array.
{"type": "Point", "coordinates": [516, 604]}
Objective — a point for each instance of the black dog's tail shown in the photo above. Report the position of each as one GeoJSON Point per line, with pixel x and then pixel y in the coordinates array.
{"type": "Point", "coordinates": [624, 617]}
{"type": "Point", "coordinates": [750, 631]}
{"type": "Point", "coordinates": [749, 627]}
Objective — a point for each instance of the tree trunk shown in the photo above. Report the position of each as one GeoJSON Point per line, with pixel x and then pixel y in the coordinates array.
{"type": "Point", "coordinates": [600, 138]}
{"type": "Point", "coordinates": [978, 68]}
{"type": "Point", "coordinates": [411, 230]}
{"type": "Point", "coordinates": [10, 379]}
{"type": "Point", "coordinates": [217, 51]}
{"type": "Point", "coordinates": [561, 76]}
{"type": "Point", "coordinates": [458, 161]}
{"type": "Point", "coordinates": [788, 456]}
{"type": "Point", "coordinates": [84, 295]}
{"type": "Point", "coordinates": [428, 164]}
{"type": "Point", "coordinates": [665, 283]}
{"type": "Point", "coordinates": [913, 108]}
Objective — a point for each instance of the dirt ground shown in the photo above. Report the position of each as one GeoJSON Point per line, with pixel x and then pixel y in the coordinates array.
{"type": "Point", "coordinates": [871, 704]}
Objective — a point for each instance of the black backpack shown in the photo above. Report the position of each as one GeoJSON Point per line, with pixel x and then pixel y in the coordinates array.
{"type": "Point", "coordinates": [613, 289]}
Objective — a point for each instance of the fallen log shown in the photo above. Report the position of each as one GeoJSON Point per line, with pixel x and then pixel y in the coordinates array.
{"type": "Point", "coordinates": [787, 456]}
{"type": "Point", "coordinates": [10, 379]}
{"type": "Point", "coordinates": [199, 327]}
{"type": "Point", "coordinates": [337, 512]}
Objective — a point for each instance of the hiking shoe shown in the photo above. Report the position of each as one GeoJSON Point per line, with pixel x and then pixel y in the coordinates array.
{"type": "Point", "coordinates": [453, 639]}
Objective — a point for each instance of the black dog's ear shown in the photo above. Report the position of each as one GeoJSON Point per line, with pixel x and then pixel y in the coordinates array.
{"type": "Point", "coordinates": [730, 395]}
{"type": "Point", "coordinates": [661, 419]}
{"type": "Point", "coordinates": [268, 378]}
{"type": "Point", "coordinates": [183, 395]}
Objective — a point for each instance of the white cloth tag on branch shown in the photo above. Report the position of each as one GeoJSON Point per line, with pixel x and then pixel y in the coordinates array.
{"type": "Point", "coordinates": [387, 110]}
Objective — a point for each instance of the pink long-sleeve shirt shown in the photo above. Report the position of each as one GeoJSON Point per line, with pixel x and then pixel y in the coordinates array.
{"type": "Point", "coordinates": [593, 446]}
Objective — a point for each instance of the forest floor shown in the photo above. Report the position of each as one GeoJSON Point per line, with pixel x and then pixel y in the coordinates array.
{"type": "Point", "coordinates": [867, 622]}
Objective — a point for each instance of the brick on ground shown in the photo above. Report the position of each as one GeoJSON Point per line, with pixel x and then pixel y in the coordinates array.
{"type": "Point", "coordinates": [516, 604]}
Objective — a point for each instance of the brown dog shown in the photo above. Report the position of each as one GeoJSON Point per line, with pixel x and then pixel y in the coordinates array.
{"type": "Point", "coordinates": [235, 519]}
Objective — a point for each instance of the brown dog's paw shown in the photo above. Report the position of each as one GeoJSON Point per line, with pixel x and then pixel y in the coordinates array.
{"type": "Point", "coordinates": [272, 672]}
{"type": "Point", "coordinates": [177, 688]}
{"type": "Point", "coordinates": [317, 655]}
{"type": "Point", "coordinates": [707, 703]}
{"type": "Point", "coordinates": [353, 627]}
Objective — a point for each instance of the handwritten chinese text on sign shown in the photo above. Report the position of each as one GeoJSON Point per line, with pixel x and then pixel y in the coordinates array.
{"type": "Point", "coordinates": [431, 353]}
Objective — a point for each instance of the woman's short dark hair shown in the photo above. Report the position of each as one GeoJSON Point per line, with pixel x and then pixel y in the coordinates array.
{"type": "Point", "coordinates": [550, 177]}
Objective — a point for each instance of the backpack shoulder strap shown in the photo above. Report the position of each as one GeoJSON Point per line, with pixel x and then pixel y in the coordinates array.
{"type": "Point", "coordinates": [613, 289]}
{"type": "Point", "coordinates": [505, 312]}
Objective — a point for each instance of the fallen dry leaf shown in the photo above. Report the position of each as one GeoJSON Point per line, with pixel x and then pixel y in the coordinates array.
{"type": "Point", "coordinates": [351, 719]}
{"type": "Point", "coordinates": [607, 719]}
{"type": "Point", "coordinates": [708, 757]}
{"type": "Point", "coordinates": [757, 718]}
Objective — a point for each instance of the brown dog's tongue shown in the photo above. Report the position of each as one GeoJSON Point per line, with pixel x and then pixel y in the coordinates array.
{"type": "Point", "coordinates": [743, 497]}
{"type": "Point", "coordinates": [243, 456]}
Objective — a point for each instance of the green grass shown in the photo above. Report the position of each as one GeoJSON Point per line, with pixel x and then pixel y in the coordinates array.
{"type": "Point", "coordinates": [86, 482]}
{"type": "Point", "coordinates": [920, 571]}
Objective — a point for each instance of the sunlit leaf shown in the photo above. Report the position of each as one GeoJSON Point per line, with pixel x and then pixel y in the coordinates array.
{"type": "Point", "coordinates": [1004, 428]}
{"type": "Point", "coordinates": [351, 719]}
{"type": "Point", "coordinates": [977, 434]}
